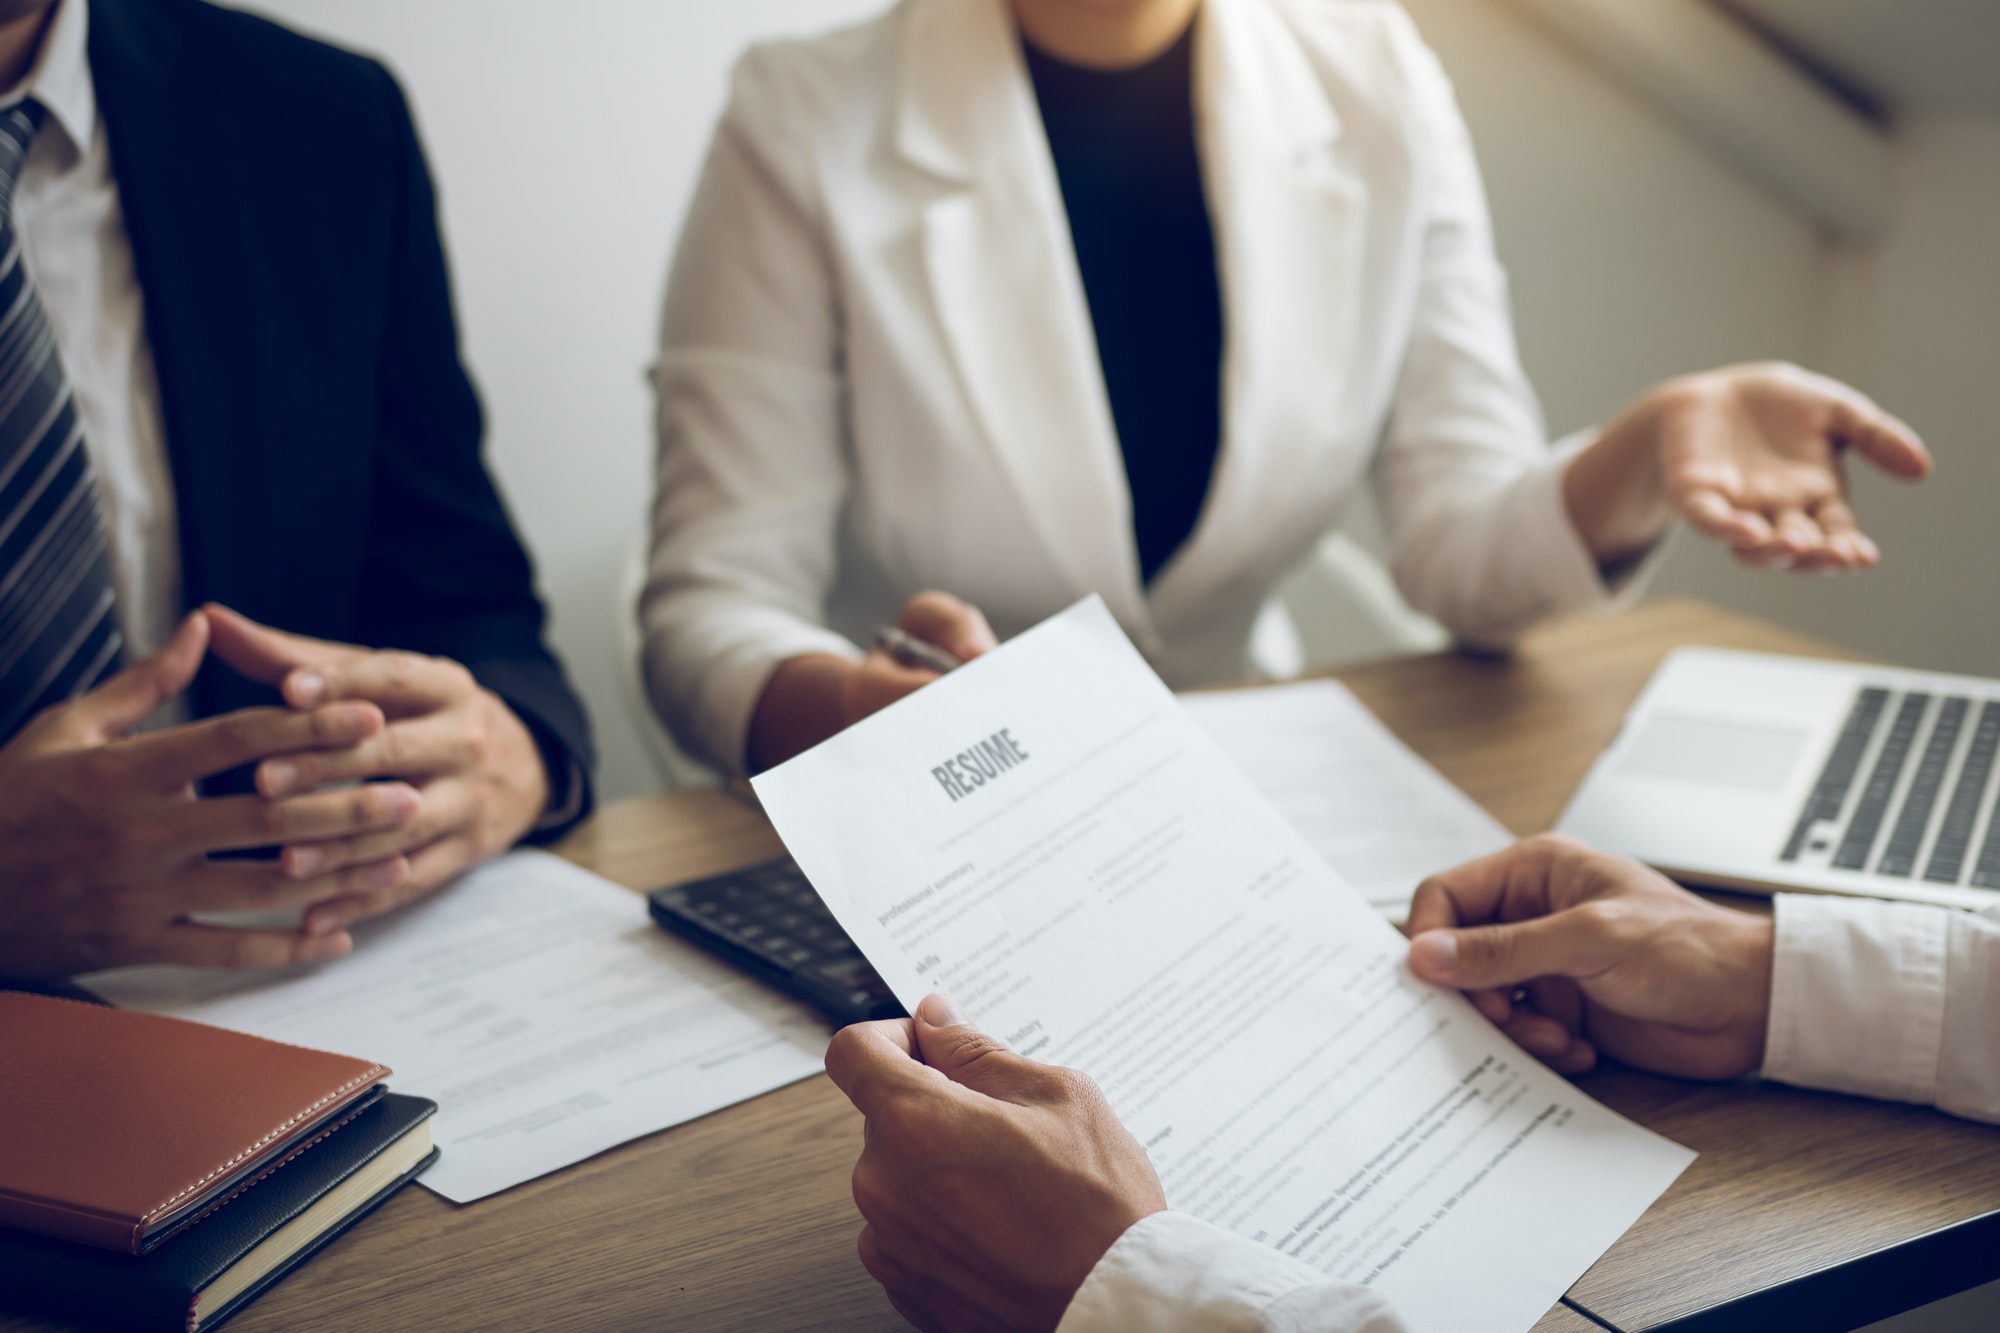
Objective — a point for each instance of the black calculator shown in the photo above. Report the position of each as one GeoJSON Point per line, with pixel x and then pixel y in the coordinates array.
{"type": "Point", "coordinates": [769, 921]}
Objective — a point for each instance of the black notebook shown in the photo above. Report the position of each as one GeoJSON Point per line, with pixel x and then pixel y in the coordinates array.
{"type": "Point", "coordinates": [221, 1262]}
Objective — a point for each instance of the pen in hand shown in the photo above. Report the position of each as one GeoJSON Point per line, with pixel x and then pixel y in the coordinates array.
{"type": "Point", "coordinates": [911, 651]}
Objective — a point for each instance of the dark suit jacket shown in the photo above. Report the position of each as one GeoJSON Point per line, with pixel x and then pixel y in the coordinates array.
{"type": "Point", "coordinates": [324, 438]}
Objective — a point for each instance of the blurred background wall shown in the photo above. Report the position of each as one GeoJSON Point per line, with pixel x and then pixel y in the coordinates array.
{"type": "Point", "coordinates": [1643, 241]}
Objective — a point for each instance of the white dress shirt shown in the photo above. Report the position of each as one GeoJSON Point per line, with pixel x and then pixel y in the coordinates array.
{"type": "Point", "coordinates": [73, 239]}
{"type": "Point", "coordinates": [878, 372]}
{"type": "Point", "coordinates": [1880, 999]}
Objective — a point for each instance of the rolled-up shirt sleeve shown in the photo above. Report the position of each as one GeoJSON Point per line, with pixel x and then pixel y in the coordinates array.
{"type": "Point", "coordinates": [1889, 1000]}
{"type": "Point", "coordinates": [1173, 1273]}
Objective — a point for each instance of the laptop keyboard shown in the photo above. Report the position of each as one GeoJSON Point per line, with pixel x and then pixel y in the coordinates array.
{"type": "Point", "coordinates": [1920, 755]}
{"type": "Point", "coordinates": [1829, 794]}
{"type": "Point", "coordinates": [1882, 780]}
{"type": "Point", "coordinates": [1954, 839]}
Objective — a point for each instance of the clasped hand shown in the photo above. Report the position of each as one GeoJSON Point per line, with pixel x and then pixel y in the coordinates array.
{"type": "Point", "coordinates": [106, 847]}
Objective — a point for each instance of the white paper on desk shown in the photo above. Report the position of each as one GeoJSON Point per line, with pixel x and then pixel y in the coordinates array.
{"type": "Point", "coordinates": [1123, 901]}
{"type": "Point", "coordinates": [534, 1002]}
{"type": "Point", "coordinates": [1366, 802]}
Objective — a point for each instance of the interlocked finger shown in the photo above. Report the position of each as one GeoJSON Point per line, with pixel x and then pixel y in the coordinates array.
{"type": "Point", "coordinates": [218, 886]}
{"type": "Point", "coordinates": [404, 684]}
{"type": "Point", "coordinates": [174, 758]}
{"type": "Point", "coordinates": [234, 823]}
{"type": "Point", "coordinates": [417, 748]}
{"type": "Point", "coordinates": [430, 867]}
{"type": "Point", "coordinates": [314, 860]}
{"type": "Point", "coordinates": [194, 945]}
{"type": "Point", "coordinates": [446, 806]}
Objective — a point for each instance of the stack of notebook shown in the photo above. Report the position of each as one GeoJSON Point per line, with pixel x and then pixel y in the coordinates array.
{"type": "Point", "coordinates": [156, 1173]}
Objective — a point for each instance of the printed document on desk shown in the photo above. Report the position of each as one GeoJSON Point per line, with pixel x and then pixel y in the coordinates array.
{"type": "Point", "coordinates": [534, 1002]}
{"type": "Point", "coordinates": [1046, 836]}
{"type": "Point", "coordinates": [1367, 803]}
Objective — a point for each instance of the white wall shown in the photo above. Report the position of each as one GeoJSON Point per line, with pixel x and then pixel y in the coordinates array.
{"type": "Point", "coordinates": [1917, 325]}
{"type": "Point", "coordinates": [565, 139]}
{"type": "Point", "coordinates": [1634, 253]}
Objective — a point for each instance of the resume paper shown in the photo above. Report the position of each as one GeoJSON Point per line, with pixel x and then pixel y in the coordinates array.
{"type": "Point", "coordinates": [1046, 836]}
{"type": "Point", "coordinates": [536, 1003]}
{"type": "Point", "coordinates": [1365, 801]}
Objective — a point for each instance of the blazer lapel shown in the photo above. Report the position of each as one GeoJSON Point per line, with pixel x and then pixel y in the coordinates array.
{"type": "Point", "coordinates": [182, 195]}
{"type": "Point", "coordinates": [1290, 222]}
{"type": "Point", "coordinates": [1008, 295]}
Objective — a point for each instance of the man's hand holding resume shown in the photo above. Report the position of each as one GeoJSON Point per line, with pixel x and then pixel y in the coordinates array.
{"type": "Point", "coordinates": [1047, 838]}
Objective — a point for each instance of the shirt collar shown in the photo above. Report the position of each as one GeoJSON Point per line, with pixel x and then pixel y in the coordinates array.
{"type": "Point", "coordinates": [60, 79]}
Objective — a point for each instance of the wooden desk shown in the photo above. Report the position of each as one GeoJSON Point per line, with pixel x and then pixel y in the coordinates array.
{"type": "Point", "coordinates": [743, 1220]}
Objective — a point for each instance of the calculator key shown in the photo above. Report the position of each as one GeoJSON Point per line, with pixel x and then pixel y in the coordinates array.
{"type": "Point", "coordinates": [772, 915]}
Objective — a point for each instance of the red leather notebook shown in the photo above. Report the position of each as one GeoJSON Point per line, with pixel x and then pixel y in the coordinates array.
{"type": "Point", "coordinates": [118, 1128]}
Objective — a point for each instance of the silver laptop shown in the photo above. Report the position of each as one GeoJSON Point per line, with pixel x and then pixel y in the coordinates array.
{"type": "Point", "coordinates": [1750, 771]}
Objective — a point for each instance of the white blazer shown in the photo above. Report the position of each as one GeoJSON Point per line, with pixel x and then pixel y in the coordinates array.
{"type": "Point", "coordinates": [878, 374]}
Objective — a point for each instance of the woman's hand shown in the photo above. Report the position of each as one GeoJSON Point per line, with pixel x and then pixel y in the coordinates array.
{"type": "Point", "coordinates": [810, 698]}
{"type": "Point", "coordinates": [1749, 455]}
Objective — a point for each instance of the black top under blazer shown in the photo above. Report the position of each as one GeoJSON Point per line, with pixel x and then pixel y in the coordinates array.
{"type": "Point", "coordinates": [323, 436]}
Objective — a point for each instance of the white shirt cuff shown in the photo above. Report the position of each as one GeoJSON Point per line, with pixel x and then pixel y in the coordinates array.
{"type": "Point", "coordinates": [708, 708]}
{"type": "Point", "coordinates": [1858, 997]}
{"type": "Point", "coordinates": [1173, 1273]}
{"type": "Point", "coordinates": [1579, 583]}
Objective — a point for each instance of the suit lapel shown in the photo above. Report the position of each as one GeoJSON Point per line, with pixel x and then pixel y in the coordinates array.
{"type": "Point", "coordinates": [1008, 295]}
{"type": "Point", "coordinates": [183, 199]}
{"type": "Point", "coordinates": [1290, 226]}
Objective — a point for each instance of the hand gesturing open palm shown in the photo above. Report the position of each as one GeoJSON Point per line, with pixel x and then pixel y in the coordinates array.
{"type": "Point", "coordinates": [1754, 458]}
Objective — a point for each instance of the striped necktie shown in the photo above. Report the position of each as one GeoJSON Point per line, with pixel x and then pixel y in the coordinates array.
{"type": "Point", "coordinates": [58, 619]}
